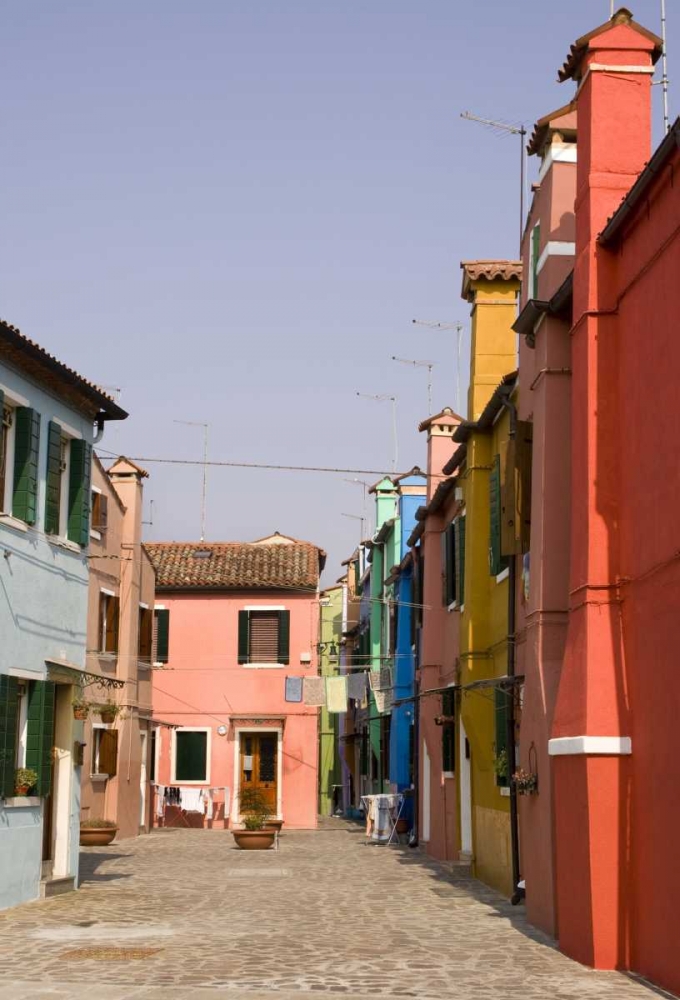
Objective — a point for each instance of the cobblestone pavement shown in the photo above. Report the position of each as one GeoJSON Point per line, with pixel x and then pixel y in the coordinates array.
{"type": "Point", "coordinates": [183, 914]}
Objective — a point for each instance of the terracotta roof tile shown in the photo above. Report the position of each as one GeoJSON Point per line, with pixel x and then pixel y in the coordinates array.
{"type": "Point", "coordinates": [563, 120]}
{"type": "Point", "coordinates": [35, 361]}
{"type": "Point", "coordinates": [235, 565]}
{"type": "Point", "coordinates": [490, 270]}
{"type": "Point", "coordinates": [571, 70]}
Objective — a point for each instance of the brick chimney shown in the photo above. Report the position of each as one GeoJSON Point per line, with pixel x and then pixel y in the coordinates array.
{"type": "Point", "coordinates": [491, 287]}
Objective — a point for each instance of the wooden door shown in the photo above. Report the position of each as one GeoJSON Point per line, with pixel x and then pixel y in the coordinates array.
{"type": "Point", "coordinates": [259, 753]}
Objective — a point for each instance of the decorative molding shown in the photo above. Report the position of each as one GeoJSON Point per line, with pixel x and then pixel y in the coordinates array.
{"type": "Point", "coordinates": [614, 746]}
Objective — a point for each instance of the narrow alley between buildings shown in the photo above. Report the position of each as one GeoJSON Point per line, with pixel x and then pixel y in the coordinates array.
{"type": "Point", "coordinates": [183, 914]}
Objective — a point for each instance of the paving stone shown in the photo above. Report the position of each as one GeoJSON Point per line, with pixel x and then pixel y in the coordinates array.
{"type": "Point", "coordinates": [182, 915]}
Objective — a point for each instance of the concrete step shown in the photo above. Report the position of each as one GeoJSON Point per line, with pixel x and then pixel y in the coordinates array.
{"type": "Point", "coordinates": [56, 886]}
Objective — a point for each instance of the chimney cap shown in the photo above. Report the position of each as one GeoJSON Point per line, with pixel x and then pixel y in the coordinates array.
{"type": "Point", "coordinates": [447, 417]}
{"type": "Point", "coordinates": [563, 120]}
{"type": "Point", "coordinates": [571, 70]}
{"type": "Point", "coordinates": [488, 270]}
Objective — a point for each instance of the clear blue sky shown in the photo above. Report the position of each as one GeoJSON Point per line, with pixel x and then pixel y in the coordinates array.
{"type": "Point", "coordinates": [234, 210]}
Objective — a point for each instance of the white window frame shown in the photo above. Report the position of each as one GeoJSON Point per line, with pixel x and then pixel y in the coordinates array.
{"type": "Point", "coordinates": [22, 726]}
{"type": "Point", "coordinates": [97, 535]}
{"type": "Point", "coordinates": [97, 775]}
{"type": "Point", "coordinates": [12, 400]}
{"type": "Point", "coordinates": [173, 755]}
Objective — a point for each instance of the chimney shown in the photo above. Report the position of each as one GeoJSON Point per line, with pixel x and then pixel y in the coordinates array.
{"type": "Point", "coordinates": [491, 286]}
{"type": "Point", "coordinates": [439, 429]}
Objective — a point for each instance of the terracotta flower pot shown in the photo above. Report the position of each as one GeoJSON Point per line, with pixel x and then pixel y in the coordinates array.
{"type": "Point", "coordinates": [97, 836]}
{"type": "Point", "coordinates": [274, 824]}
{"type": "Point", "coordinates": [80, 713]}
{"type": "Point", "coordinates": [107, 717]}
{"type": "Point", "coordinates": [22, 789]}
{"type": "Point", "coordinates": [254, 840]}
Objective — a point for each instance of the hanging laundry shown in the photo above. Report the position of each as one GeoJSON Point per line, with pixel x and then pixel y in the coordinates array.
{"type": "Point", "coordinates": [383, 700]}
{"type": "Point", "coordinates": [336, 694]}
{"type": "Point", "coordinates": [356, 686]}
{"type": "Point", "coordinates": [294, 688]}
{"type": "Point", "coordinates": [385, 678]}
{"type": "Point", "coordinates": [208, 802]}
{"type": "Point", "coordinates": [374, 678]}
{"type": "Point", "coordinates": [160, 801]}
{"type": "Point", "coordinates": [191, 799]}
{"type": "Point", "coordinates": [314, 689]}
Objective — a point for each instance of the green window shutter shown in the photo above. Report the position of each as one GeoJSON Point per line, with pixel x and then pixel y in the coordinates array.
{"type": "Point", "coordinates": [448, 731]}
{"type": "Point", "coordinates": [497, 563]}
{"type": "Point", "coordinates": [26, 450]}
{"type": "Point", "coordinates": [501, 706]}
{"type": "Point", "coordinates": [243, 637]}
{"type": "Point", "coordinates": [9, 705]}
{"type": "Point", "coordinates": [162, 634]}
{"type": "Point", "coordinates": [53, 482]}
{"type": "Point", "coordinates": [79, 493]}
{"type": "Point", "coordinates": [40, 733]}
{"type": "Point", "coordinates": [460, 559]}
{"type": "Point", "coordinates": [284, 636]}
{"type": "Point", "coordinates": [190, 755]}
{"type": "Point", "coordinates": [535, 254]}
{"type": "Point", "coordinates": [450, 564]}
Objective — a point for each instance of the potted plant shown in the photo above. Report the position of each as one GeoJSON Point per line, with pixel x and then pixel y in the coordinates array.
{"type": "Point", "coordinates": [24, 781]}
{"type": "Point", "coordinates": [108, 711]}
{"type": "Point", "coordinates": [255, 809]}
{"type": "Point", "coordinates": [97, 832]}
{"type": "Point", "coordinates": [81, 708]}
{"type": "Point", "coordinates": [500, 764]}
{"type": "Point", "coordinates": [526, 782]}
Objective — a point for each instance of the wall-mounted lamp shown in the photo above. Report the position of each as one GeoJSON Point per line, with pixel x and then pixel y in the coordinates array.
{"type": "Point", "coordinates": [332, 649]}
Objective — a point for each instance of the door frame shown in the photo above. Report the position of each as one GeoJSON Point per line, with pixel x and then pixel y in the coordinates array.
{"type": "Point", "coordinates": [235, 799]}
{"type": "Point", "coordinates": [465, 792]}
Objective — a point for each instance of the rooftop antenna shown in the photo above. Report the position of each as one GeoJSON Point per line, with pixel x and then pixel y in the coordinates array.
{"type": "Point", "coordinates": [512, 130]}
{"type": "Point", "coordinates": [420, 364]}
{"type": "Point", "coordinates": [664, 69]}
{"type": "Point", "coordinates": [150, 521]}
{"type": "Point", "coordinates": [365, 486]}
{"type": "Point", "coordinates": [357, 517]}
{"type": "Point", "coordinates": [383, 397]}
{"type": "Point", "coordinates": [458, 327]}
{"type": "Point", "coordinates": [196, 423]}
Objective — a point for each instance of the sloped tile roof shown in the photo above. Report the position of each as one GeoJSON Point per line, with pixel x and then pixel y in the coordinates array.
{"type": "Point", "coordinates": [489, 270]}
{"type": "Point", "coordinates": [35, 361]}
{"type": "Point", "coordinates": [572, 68]}
{"type": "Point", "coordinates": [562, 120]}
{"type": "Point", "coordinates": [235, 565]}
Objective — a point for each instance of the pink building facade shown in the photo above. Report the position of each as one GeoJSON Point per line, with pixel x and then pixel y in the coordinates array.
{"type": "Point", "coordinates": [238, 628]}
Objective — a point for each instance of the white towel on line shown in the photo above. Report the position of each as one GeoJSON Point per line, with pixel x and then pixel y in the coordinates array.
{"type": "Point", "coordinates": [191, 799]}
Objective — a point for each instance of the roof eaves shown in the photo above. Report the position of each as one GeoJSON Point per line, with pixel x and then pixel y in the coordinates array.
{"type": "Point", "coordinates": [456, 460]}
{"type": "Point", "coordinates": [572, 64]}
{"type": "Point", "coordinates": [641, 186]}
{"type": "Point", "coordinates": [416, 534]}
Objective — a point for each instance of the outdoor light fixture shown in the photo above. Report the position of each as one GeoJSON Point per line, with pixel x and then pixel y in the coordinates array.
{"type": "Point", "coordinates": [330, 646]}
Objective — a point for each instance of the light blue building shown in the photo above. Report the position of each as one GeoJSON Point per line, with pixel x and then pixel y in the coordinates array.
{"type": "Point", "coordinates": [51, 417]}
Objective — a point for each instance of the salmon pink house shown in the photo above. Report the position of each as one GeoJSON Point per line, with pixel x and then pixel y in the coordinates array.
{"type": "Point", "coordinates": [237, 629]}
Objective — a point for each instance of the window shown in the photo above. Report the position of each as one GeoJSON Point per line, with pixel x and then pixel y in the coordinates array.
{"type": "Point", "coordinates": [448, 731]}
{"type": "Point", "coordinates": [190, 755]}
{"type": "Point", "coordinates": [67, 500]}
{"type": "Point", "coordinates": [100, 511]}
{"type": "Point", "coordinates": [264, 636]}
{"type": "Point", "coordinates": [453, 562]}
{"type": "Point", "coordinates": [161, 635]}
{"type": "Point", "coordinates": [104, 751]}
{"type": "Point", "coordinates": [26, 731]}
{"type": "Point", "coordinates": [497, 562]}
{"type": "Point", "coordinates": [145, 642]}
{"type": "Point", "coordinates": [6, 455]}
{"type": "Point", "coordinates": [109, 612]}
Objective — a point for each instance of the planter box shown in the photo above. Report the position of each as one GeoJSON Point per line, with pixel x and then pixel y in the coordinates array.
{"type": "Point", "coordinates": [97, 836]}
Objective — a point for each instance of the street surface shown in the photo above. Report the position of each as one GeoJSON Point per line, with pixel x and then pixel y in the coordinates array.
{"type": "Point", "coordinates": [182, 914]}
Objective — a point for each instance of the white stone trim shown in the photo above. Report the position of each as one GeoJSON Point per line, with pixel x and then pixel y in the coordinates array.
{"type": "Point", "coordinates": [264, 607]}
{"type": "Point", "coordinates": [27, 675]}
{"type": "Point", "coordinates": [555, 248]}
{"type": "Point", "coordinates": [13, 398]}
{"type": "Point", "coordinates": [604, 68]}
{"type": "Point", "coordinates": [174, 780]}
{"type": "Point", "coordinates": [586, 745]}
{"type": "Point", "coordinates": [69, 431]}
{"type": "Point", "coordinates": [503, 575]}
{"type": "Point", "coordinates": [557, 153]}
{"type": "Point", "coordinates": [235, 812]}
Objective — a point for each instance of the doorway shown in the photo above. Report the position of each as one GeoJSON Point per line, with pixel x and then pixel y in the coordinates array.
{"type": "Point", "coordinates": [258, 766]}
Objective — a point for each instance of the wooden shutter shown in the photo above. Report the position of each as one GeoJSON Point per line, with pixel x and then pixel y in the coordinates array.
{"type": "Point", "coordinates": [26, 450]}
{"type": "Point", "coordinates": [40, 733]}
{"type": "Point", "coordinates": [112, 623]}
{"type": "Point", "coordinates": [509, 530]}
{"type": "Point", "coordinates": [524, 458]}
{"type": "Point", "coordinates": [162, 616]}
{"type": "Point", "coordinates": [264, 636]}
{"type": "Point", "coordinates": [9, 706]}
{"type": "Point", "coordinates": [496, 562]}
{"type": "Point", "coordinates": [445, 582]}
{"type": "Point", "coordinates": [460, 559]}
{"type": "Point", "coordinates": [79, 493]}
{"type": "Point", "coordinates": [284, 637]}
{"type": "Point", "coordinates": [53, 480]}
{"type": "Point", "coordinates": [448, 731]}
{"type": "Point", "coordinates": [501, 706]}
{"type": "Point", "coordinates": [108, 752]}
{"type": "Point", "coordinates": [190, 755]}
{"type": "Point", "coordinates": [243, 636]}
{"type": "Point", "coordinates": [145, 638]}
{"type": "Point", "coordinates": [101, 513]}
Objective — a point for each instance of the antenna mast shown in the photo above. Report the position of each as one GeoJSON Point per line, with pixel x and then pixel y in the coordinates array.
{"type": "Point", "coordinates": [204, 491]}
{"type": "Point", "coordinates": [664, 69]}
{"type": "Point", "coordinates": [421, 364]}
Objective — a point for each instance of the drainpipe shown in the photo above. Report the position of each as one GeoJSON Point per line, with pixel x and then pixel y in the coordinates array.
{"type": "Point", "coordinates": [517, 893]}
{"type": "Point", "coordinates": [413, 841]}
{"type": "Point", "coordinates": [99, 433]}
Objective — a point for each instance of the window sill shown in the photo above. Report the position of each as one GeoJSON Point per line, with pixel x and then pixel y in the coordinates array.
{"type": "Point", "coordinates": [453, 606]}
{"type": "Point", "coordinates": [13, 522]}
{"type": "Point", "coordinates": [22, 802]}
{"type": "Point", "coordinates": [64, 543]}
{"type": "Point", "coordinates": [143, 665]}
{"type": "Point", "coordinates": [448, 774]}
{"type": "Point", "coordinates": [505, 791]}
{"type": "Point", "coordinates": [503, 575]}
{"type": "Point", "coordinates": [97, 535]}
{"type": "Point", "coordinates": [182, 782]}
{"type": "Point", "coordinates": [99, 779]}
{"type": "Point", "coordinates": [264, 666]}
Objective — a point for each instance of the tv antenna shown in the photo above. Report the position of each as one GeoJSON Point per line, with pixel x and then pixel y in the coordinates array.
{"type": "Point", "coordinates": [519, 130]}
{"type": "Point", "coordinates": [664, 69]}
{"type": "Point", "coordinates": [458, 327]}
{"type": "Point", "coordinates": [196, 423]}
{"type": "Point", "coordinates": [383, 397]}
{"type": "Point", "coordinates": [420, 364]}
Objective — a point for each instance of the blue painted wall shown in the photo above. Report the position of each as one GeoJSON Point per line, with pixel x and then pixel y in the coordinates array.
{"type": "Point", "coordinates": [43, 616]}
